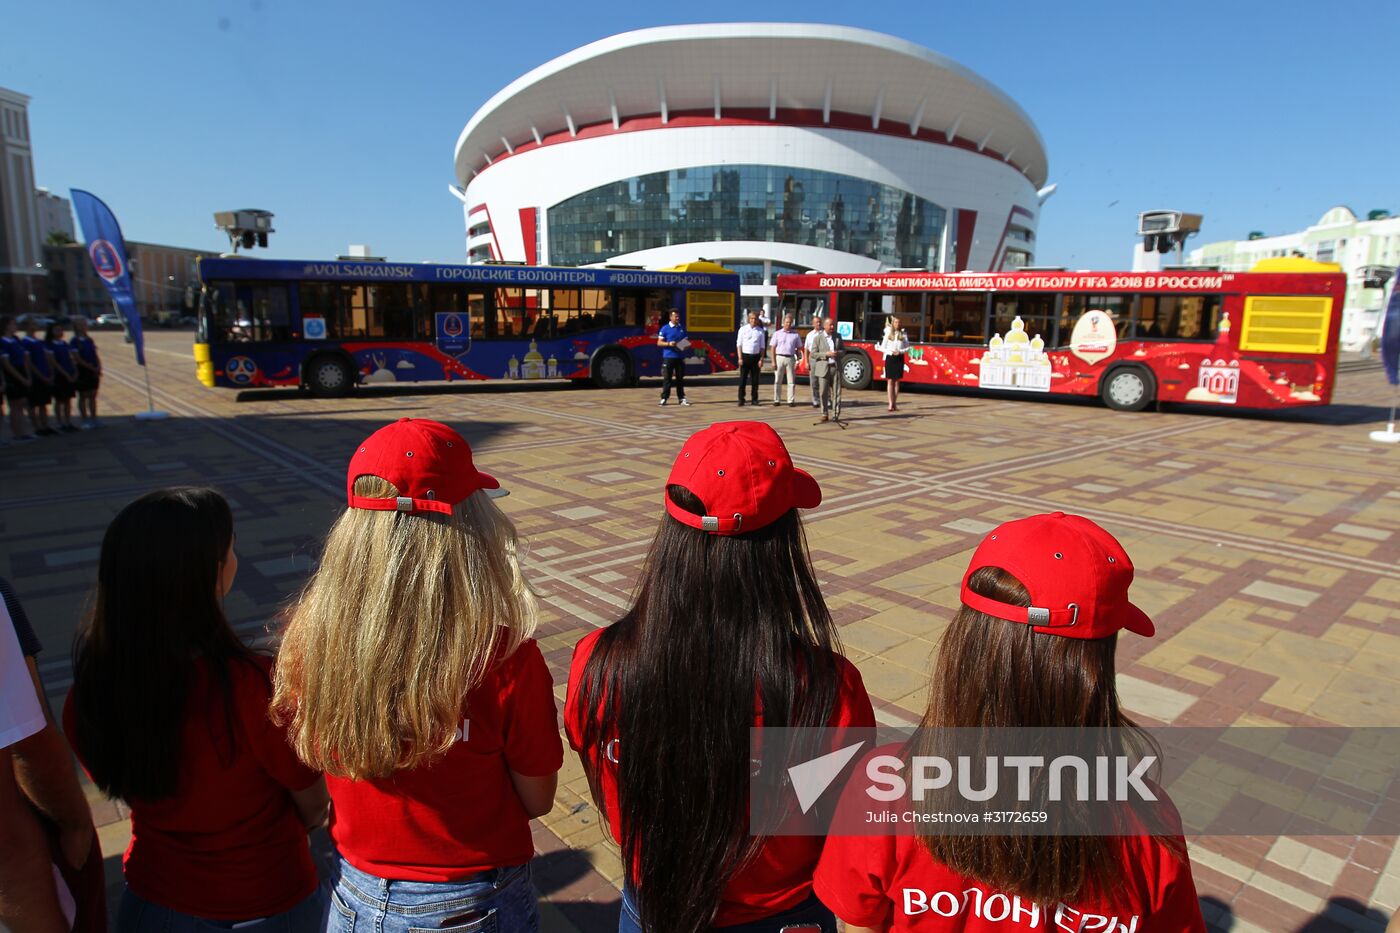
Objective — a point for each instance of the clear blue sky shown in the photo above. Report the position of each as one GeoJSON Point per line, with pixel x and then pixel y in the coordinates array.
{"type": "Point", "coordinates": [342, 117]}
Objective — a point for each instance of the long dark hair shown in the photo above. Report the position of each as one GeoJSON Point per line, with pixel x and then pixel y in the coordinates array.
{"type": "Point", "coordinates": [157, 609]}
{"type": "Point", "coordinates": [718, 622]}
{"type": "Point", "coordinates": [992, 674]}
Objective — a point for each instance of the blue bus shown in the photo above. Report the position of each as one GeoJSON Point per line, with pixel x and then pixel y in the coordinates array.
{"type": "Point", "coordinates": [329, 326]}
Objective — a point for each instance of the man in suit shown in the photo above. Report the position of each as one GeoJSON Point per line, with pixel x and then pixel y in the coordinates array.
{"type": "Point", "coordinates": [823, 349]}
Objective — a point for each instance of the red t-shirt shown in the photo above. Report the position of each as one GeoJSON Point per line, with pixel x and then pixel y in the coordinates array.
{"type": "Point", "coordinates": [892, 883]}
{"type": "Point", "coordinates": [780, 876]}
{"type": "Point", "coordinates": [228, 845]}
{"type": "Point", "coordinates": [459, 815]}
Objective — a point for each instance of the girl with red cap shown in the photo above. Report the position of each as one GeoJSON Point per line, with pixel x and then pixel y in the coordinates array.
{"type": "Point", "coordinates": [1032, 647]}
{"type": "Point", "coordinates": [407, 674]}
{"type": "Point", "coordinates": [728, 631]}
{"type": "Point", "coordinates": [168, 712]}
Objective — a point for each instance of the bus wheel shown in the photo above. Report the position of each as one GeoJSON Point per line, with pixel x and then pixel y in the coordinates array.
{"type": "Point", "coordinates": [856, 371]}
{"type": "Point", "coordinates": [1128, 388]}
{"type": "Point", "coordinates": [611, 370]}
{"type": "Point", "coordinates": [329, 377]}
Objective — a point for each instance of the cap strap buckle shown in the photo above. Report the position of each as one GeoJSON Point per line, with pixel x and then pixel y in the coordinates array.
{"type": "Point", "coordinates": [1037, 616]}
{"type": "Point", "coordinates": [713, 523]}
{"type": "Point", "coordinates": [403, 504]}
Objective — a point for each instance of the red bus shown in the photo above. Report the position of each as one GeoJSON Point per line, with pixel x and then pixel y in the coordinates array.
{"type": "Point", "coordinates": [1266, 338]}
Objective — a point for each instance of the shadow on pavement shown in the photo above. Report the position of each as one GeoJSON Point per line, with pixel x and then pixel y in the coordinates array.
{"type": "Point", "coordinates": [1219, 917]}
{"type": "Point", "coordinates": [555, 872]}
{"type": "Point", "coordinates": [1345, 913]}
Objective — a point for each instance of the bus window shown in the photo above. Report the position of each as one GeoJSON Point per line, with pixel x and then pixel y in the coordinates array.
{"type": "Point", "coordinates": [940, 319]}
{"type": "Point", "coordinates": [642, 307]}
{"type": "Point", "coordinates": [266, 312]}
{"type": "Point", "coordinates": [809, 308]}
{"type": "Point", "coordinates": [580, 309]}
{"type": "Point", "coordinates": [906, 306]}
{"type": "Point", "coordinates": [381, 310]}
{"type": "Point", "coordinates": [520, 314]}
{"type": "Point", "coordinates": [392, 312]}
{"type": "Point", "coordinates": [967, 319]}
{"type": "Point", "coordinates": [1178, 317]}
{"type": "Point", "coordinates": [1117, 307]}
{"type": "Point", "coordinates": [1036, 311]}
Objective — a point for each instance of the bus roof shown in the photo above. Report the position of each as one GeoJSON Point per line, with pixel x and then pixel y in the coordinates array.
{"type": "Point", "coordinates": [294, 270]}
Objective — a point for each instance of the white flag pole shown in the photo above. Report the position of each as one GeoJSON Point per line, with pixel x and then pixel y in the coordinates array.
{"type": "Point", "coordinates": [150, 414]}
{"type": "Point", "coordinates": [1389, 435]}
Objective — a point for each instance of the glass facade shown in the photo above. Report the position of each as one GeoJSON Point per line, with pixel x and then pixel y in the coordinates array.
{"type": "Point", "coordinates": [747, 202]}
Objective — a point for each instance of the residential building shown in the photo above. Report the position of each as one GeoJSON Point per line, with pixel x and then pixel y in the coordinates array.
{"type": "Point", "coordinates": [55, 215]}
{"type": "Point", "coordinates": [23, 288]}
{"type": "Point", "coordinates": [1360, 247]}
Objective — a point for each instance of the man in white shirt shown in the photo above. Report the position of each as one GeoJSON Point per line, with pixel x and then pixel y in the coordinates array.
{"type": "Point", "coordinates": [753, 340]}
{"type": "Point", "coordinates": [28, 897]}
{"type": "Point", "coordinates": [812, 335]}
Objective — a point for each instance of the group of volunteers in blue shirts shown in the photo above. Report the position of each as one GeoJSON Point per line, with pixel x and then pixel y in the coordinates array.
{"type": "Point", "coordinates": [38, 371]}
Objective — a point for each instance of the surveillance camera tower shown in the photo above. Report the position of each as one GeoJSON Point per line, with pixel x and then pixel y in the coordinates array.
{"type": "Point", "coordinates": [247, 227]}
{"type": "Point", "coordinates": [1164, 230]}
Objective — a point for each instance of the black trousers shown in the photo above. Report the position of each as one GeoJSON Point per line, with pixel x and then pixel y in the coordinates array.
{"type": "Point", "coordinates": [748, 374]}
{"type": "Point", "coordinates": [672, 369]}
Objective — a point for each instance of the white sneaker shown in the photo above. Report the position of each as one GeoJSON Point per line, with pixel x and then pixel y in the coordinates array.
{"type": "Point", "coordinates": [86, 426]}
{"type": "Point", "coordinates": [685, 401]}
{"type": "Point", "coordinates": [663, 401]}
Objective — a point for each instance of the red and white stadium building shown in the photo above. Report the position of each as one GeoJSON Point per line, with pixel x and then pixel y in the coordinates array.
{"type": "Point", "coordinates": [769, 147]}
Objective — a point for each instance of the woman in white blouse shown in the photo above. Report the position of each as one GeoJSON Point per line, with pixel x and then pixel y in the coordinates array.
{"type": "Point", "coordinates": [894, 345]}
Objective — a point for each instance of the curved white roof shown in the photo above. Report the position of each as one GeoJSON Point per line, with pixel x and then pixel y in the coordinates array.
{"type": "Point", "coordinates": [711, 67]}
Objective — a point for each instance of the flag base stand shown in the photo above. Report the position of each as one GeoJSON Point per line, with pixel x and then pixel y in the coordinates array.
{"type": "Point", "coordinates": [152, 415]}
{"type": "Point", "coordinates": [1388, 436]}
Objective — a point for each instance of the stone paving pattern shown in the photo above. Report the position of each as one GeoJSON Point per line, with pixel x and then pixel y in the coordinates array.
{"type": "Point", "coordinates": [1266, 547]}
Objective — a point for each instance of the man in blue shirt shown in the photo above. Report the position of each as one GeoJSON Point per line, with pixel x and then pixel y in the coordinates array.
{"type": "Point", "coordinates": [675, 348]}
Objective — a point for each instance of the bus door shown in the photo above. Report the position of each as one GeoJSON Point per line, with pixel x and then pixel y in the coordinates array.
{"type": "Point", "coordinates": [262, 313]}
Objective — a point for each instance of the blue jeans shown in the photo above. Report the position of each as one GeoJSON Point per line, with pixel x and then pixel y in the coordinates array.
{"type": "Point", "coordinates": [501, 900]}
{"type": "Point", "coordinates": [138, 915]}
{"type": "Point", "coordinates": [810, 913]}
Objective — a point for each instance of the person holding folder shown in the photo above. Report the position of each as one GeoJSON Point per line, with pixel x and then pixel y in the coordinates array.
{"type": "Point", "coordinates": [675, 347]}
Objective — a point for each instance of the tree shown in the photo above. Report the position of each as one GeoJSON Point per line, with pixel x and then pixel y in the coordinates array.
{"type": "Point", "coordinates": [59, 238]}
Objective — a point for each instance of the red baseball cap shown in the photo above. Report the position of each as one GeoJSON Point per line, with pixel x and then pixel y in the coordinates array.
{"type": "Point", "coordinates": [429, 463]}
{"type": "Point", "coordinates": [743, 475]}
{"type": "Point", "coordinates": [1077, 575]}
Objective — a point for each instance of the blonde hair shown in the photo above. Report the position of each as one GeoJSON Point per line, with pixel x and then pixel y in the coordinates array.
{"type": "Point", "coordinates": [402, 620]}
{"type": "Point", "coordinates": [890, 330]}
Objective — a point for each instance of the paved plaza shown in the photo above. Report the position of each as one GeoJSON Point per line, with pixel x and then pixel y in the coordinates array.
{"type": "Point", "coordinates": [1267, 548]}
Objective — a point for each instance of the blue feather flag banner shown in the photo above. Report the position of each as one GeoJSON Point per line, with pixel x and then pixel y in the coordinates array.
{"type": "Point", "coordinates": [107, 250]}
{"type": "Point", "coordinates": [1390, 333]}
